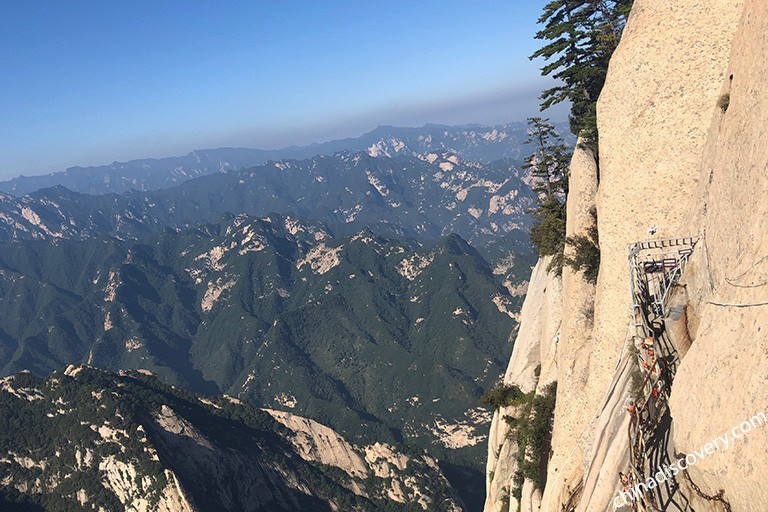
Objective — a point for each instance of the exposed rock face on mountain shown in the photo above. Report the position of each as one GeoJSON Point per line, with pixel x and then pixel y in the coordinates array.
{"type": "Point", "coordinates": [724, 375]}
{"type": "Point", "coordinates": [556, 319]}
{"type": "Point", "coordinates": [423, 198]}
{"type": "Point", "coordinates": [476, 143]}
{"type": "Point", "coordinates": [85, 439]}
{"type": "Point", "coordinates": [472, 142]}
{"type": "Point", "coordinates": [682, 130]}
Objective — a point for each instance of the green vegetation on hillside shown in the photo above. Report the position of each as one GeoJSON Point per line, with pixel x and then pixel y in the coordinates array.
{"type": "Point", "coordinates": [69, 431]}
{"type": "Point", "coordinates": [502, 395]}
{"type": "Point", "coordinates": [548, 165]}
{"type": "Point", "coordinates": [260, 310]}
{"type": "Point", "coordinates": [585, 251]}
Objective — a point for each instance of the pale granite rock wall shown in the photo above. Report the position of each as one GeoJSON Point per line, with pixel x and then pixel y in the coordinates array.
{"type": "Point", "coordinates": [723, 379]}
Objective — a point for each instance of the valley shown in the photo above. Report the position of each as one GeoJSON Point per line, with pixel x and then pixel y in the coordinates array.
{"type": "Point", "coordinates": [373, 292]}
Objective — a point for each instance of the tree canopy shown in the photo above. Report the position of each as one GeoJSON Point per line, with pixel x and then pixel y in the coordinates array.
{"type": "Point", "coordinates": [581, 36]}
{"type": "Point", "coordinates": [549, 167]}
{"type": "Point", "coordinates": [550, 160]}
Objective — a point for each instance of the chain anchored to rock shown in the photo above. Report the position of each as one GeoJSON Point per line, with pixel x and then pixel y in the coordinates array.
{"type": "Point", "coordinates": [720, 496]}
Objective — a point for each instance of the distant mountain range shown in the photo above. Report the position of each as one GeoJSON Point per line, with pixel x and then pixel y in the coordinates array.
{"type": "Point", "coordinates": [421, 198]}
{"type": "Point", "coordinates": [473, 142]}
{"type": "Point", "coordinates": [372, 290]}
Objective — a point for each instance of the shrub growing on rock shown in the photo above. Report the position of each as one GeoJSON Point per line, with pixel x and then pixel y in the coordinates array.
{"type": "Point", "coordinates": [724, 101]}
{"type": "Point", "coordinates": [586, 251]}
{"type": "Point", "coordinates": [502, 395]}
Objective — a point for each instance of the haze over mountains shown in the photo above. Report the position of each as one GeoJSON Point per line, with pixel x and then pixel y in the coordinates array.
{"type": "Point", "coordinates": [373, 289]}
{"type": "Point", "coordinates": [471, 142]}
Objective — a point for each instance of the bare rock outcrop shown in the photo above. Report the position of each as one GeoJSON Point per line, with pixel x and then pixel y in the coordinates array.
{"type": "Point", "coordinates": [653, 115]}
{"type": "Point", "coordinates": [575, 337]}
{"type": "Point", "coordinates": [316, 442]}
{"type": "Point", "coordinates": [378, 463]}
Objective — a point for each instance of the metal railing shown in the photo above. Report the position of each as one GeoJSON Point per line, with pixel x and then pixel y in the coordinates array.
{"type": "Point", "coordinates": [655, 266]}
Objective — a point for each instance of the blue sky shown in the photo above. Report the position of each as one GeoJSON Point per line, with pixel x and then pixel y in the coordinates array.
{"type": "Point", "coordinates": [87, 83]}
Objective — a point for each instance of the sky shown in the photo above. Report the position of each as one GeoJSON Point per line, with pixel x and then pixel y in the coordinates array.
{"type": "Point", "coordinates": [89, 83]}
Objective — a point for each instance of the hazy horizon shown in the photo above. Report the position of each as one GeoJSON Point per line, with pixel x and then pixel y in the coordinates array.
{"type": "Point", "coordinates": [301, 142]}
{"type": "Point", "coordinates": [103, 83]}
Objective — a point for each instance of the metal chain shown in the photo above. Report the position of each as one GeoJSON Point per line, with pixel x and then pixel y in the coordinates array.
{"type": "Point", "coordinates": [717, 497]}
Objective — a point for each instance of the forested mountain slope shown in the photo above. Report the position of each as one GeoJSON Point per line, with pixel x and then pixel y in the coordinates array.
{"type": "Point", "coordinates": [383, 340]}
{"type": "Point", "coordinates": [85, 439]}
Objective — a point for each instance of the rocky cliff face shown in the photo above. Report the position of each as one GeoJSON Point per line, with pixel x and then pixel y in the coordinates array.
{"type": "Point", "coordinates": [723, 378]}
{"type": "Point", "coordinates": [531, 367]}
{"type": "Point", "coordinates": [682, 153]}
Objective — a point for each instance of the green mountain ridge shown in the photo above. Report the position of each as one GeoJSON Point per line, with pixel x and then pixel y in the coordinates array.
{"type": "Point", "coordinates": [86, 439]}
{"type": "Point", "coordinates": [380, 339]}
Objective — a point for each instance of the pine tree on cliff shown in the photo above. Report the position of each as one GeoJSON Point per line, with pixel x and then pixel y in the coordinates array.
{"type": "Point", "coordinates": [549, 166]}
{"type": "Point", "coordinates": [581, 35]}
{"type": "Point", "coordinates": [549, 162]}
